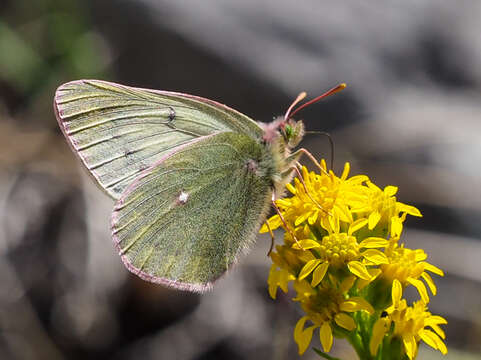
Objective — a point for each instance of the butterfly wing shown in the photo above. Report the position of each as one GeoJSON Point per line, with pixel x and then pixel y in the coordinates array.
{"type": "Point", "coordinates": [119, 131]}
{"type": "Point", "coordinates": [185, 220]}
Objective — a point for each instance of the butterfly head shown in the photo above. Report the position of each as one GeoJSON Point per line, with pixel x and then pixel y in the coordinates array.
{"type": "Point", "coordinates": [292, 132]}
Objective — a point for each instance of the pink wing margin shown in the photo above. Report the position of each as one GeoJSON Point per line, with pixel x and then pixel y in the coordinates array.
{"type": "Point", "coordinates": [65, 131]}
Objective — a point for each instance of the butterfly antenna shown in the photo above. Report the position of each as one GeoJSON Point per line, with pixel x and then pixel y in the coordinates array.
{"type": "Point", "coordinates": [331, 143]}
{"type": "Point", "coordinates": [310, 102]}
{"type": "Point", "coordinates": [299, 98]}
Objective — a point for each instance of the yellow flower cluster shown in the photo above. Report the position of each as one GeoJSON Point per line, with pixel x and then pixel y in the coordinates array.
{"type": "Point", "coordinates": [343, 254]}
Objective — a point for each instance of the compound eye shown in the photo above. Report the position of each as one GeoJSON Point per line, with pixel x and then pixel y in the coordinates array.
{"type": "Point", "coordinates": [288, 131]}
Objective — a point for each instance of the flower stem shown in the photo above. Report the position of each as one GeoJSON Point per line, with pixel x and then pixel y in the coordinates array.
{"type": "Point", "coordinates": [324, 355]}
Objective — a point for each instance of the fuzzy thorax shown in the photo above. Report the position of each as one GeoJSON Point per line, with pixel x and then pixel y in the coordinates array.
{"type": "Point", "coordinates": [279, 137]}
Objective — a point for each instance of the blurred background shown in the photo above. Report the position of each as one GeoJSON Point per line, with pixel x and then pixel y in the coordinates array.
{"type": "Point", "coordinates": [409, 117]}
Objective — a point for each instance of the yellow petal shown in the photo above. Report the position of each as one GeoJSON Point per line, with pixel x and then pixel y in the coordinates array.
{"type": "Point", "coordinates": [373, 186]}
{"type": "Point", "coordinates": [303, 289]}
{"type": "Point", "coordinates": [345, 172]}
{"type": "Point", "coordinates": [306, 256]}
{"type": "Point", "coordinates": [323, 165]}
{"type": "Point", "coordinates": [308, 268]}
{"type": "Point", "coordinates": [325, 223]}
{"type": "Point", "coordinates": [319, 273]}
{"type": "Point", "coordinates": [442, 347]}
{"type": "Point", "coordinates": [303, 337]}
{"type": "Point", "coordinates": [374, 218]}
{"type": "Point", "coordinates": [284, 279]}
{"type": "Point", "coordinates": [264, 229]}
{"type": "Point", "coordinates": [435, 319]}
{"type": "Point", "coordinates": [359, 270]}
{"type": "Point", "coordinates": [378, 331]}
{"type": "Point", "coordinates": [303, 217]}
{"type": "Point", "coordinates": [313, 217]}
{"type": "Point", "coordinates": [273, 281]}
{"type": "Point", "coordinates": [419, 285]}
{"type": "Point", "coordinates": [325, 334]}
{"type": "Point", "coordinates": [433, 340]}
{"type": "Point", "coordinates": [433, 269]}
{"type": "Point", "coordinates": [347, 283]}
{"type": "Point", "coordinates": [396, 226]}
{"type": "Point", "coordinates": [274, 223]}
{"type": "Point", "coordinates": [410, 346]}
{"type": "Point", "coordinates": [334, 223]}
{"type": "Point", "coordinates": [356, 225]}
{"type": "Point", "coordinates": [408, 209]}
{"type": "Point", "coordinates": [374, 274]}
{"type": "Point", "coordinates": [430, 282]}
{"type": "Point", "coordinates": [361, 283]}
{"type": "Point", "coordinates": [358, 179]}
{"type": "Point", "coordinates": [305, 172]}
{"type": "Point", "coordinates": [299, 328]}
{"type": "Point", "coordinates": [375, 256]}
{"type": "Point", "coordinates": [306, 244]}
{"type": "Point", "coordinates": [343, 213]}
{"type": "Point", "coordinates": [345, 321]}
{"type": "Point", "coordinates": [284, 203]}
{"type": "Point", "coordinates": [390, 190]}
{"type": "Point", "coordinates": [420, 255]}
{"type": "Point", "coordinates": [291, 188]}
{"type": "Point", "coordinates": [397, 291]}
{"type": "Point", "coordinates": [374, 242]}
{"type": "Point", "coordinates": [356, 304]}
{"type": "Point", "coordinates": [438, 330]}
{"type": "Point", "coordinates": [278, 260]}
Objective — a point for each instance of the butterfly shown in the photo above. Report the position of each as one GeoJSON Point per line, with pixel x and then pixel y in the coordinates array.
{"type": "Point", "coordinates": [193, 179]}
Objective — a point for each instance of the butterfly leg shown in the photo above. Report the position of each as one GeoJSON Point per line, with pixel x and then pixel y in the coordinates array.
{"type": "Point", "coordinates": [272, 237]}
{"type": "Point", "coordinates": [297, 154]}
{"type": "Point", "coordinates": [283, 220]}
{"type": "Point", "coordinates": [301, 179]}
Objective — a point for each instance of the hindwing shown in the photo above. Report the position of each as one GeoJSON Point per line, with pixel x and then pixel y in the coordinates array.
{"type": "Point", "coordinates": [185, 220]}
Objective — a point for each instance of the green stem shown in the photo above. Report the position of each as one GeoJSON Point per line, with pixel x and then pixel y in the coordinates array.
{"type": "Point", "coordinates": [356, 341]}
{"type": "Point", "coordinates": [324, 355]}
{"type": "Point", "coordinates": [361, 337]}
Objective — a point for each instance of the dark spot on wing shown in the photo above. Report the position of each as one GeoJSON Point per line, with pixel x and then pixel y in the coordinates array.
{"type": "Point", "coordinates": [171, 116]}
{"type": "Point", "coordinates": [252, 166]}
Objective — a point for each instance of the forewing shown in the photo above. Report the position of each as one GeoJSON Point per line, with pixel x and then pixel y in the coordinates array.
{"type": "Point", "coordinates": [119, 131]}
{"type": "Point", "coordinates": [184, 221]}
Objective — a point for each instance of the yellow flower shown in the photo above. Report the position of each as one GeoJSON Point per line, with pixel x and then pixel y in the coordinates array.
{"type": "Point", "coordinates": [326, 202]}
{"type": "Point", "coordinates": [411, 325]}
{"type": "Point", "coordinates": [407, 266]}
{"type": "Point", "coordinates": [339, 250]}
{"type": "Point", "coordinates": [278, 277]}
{"type": "Point", "coordinates": [342, 234]}
{"type": "Point", "coordinates": [286, 264]}
{"type": "Point", "coordinates": [326, 306]}
{"type": "Point", "coordinates": [382, 210]}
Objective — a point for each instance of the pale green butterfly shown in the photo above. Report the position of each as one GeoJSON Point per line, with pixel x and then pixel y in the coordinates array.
{"type": "Point", "coordinates": [193, 179]}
